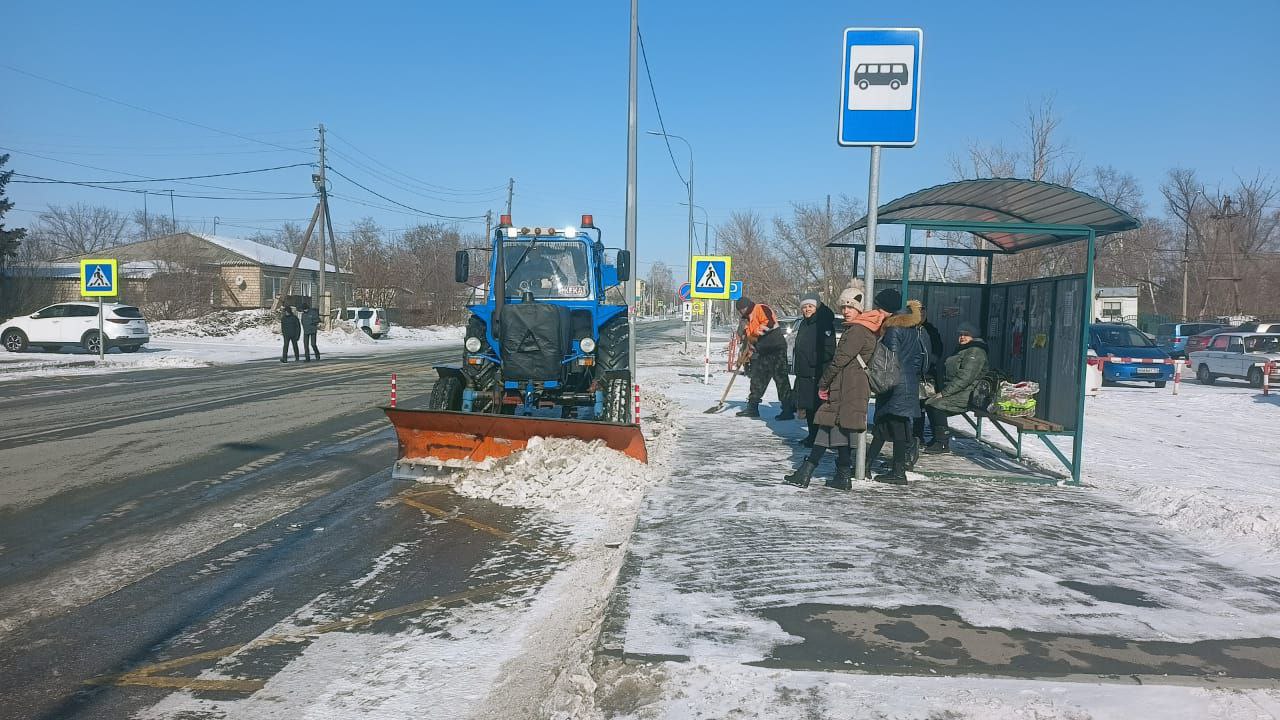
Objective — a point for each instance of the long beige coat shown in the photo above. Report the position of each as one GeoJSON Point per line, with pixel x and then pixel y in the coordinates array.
{"type": "Point", "coordinates": [846, 381]}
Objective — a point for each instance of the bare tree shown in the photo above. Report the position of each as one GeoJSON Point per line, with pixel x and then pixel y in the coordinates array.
{"type": "Point", "coordinates": [660, 285]}
{"type": "Point", "coordinates": [803, 239]}
{"type": "Point", "coordinates": [68, 230]}
{"type": "Point", "coordinates": [757, 263]}
{"type": "Point", "coordinates": [146, 225]}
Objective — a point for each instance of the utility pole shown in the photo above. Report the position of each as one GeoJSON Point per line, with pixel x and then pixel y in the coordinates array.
{"type": "Point", "coordinates": [1186, 261]}
{"type": "Point", "coordinates": [320, 187]}
{"type": "Point", "coordinates": [173, 218]}
{"type": "Point", "coordinates": [488, 225]}
{"type": "Point", "coordinates": [511, 190]}
{"type": "Point", "coordinates": [146, 221]}
{"type": "Point", "coordinates": [630, 224]}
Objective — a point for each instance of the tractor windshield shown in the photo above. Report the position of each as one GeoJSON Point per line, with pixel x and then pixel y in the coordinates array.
{"type": "Point", "coordinates": [548, 269]}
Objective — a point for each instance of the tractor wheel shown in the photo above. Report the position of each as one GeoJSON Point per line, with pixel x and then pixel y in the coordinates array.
{"type": "Point", "coordinates": [617, 399]}
{"type": "Point", "coordinates": [447, 394]}
{"type": "Point", "coordinates": [613, 351]}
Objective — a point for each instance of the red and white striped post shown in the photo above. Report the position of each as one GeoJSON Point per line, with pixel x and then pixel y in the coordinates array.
{"type": "Point", "coordinates": [1267, 369]}
{"type": "Point", "coordinates": [1177, 374]}
{"type": "Point", "coordinates": [393, 389]}
{"type": "Point", "coordinates": [637, 392]}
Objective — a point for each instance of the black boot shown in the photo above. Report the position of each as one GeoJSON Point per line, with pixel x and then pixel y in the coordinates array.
{"type": "Point", "coordinates": [913, 453]}
{"type": "Point", "coordinates": [841, 480]}
{"type": "Point", "coordinates": [786, 414]}
{"type": "Point", "coordinates": [800, 478]}
{"type": "Point", "coordinates": [751, 410]}
{"type": "Point", "coordinates": [897, 474]}
{"type": "Point", "coordinates": [941, 442]}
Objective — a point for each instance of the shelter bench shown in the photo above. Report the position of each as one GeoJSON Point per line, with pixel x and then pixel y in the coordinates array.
{"type": "Point", "coordinates": [1024, 425]}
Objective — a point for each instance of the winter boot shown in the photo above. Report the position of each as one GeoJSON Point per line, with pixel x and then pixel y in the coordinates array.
{"type": "Point", "coordinates": [913, 453]}
{"type": "Point", "coordinates": [786, 414]}
{"type": "Point", "coordinates": [897, 474]}
{"type": "Point", "coordinates": [941, 442]}
{"type": "Point", "coordinates": [800, 478]}
{"type": "Point", "coordinates": [840, 481]}
{"type": "Point", "coordinates": [751, 410]}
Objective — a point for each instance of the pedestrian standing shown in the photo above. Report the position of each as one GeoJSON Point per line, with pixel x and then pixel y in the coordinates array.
{"type": "Point", "coordinates": [310, 326]}
{"type": "Point", "coordinates": [964, 368]}
{"type": "Point", "coordinates": [900, 405]}
{"type": "Point", "coordinates": [768, 346]}
{"type": "Point", "coordinates": [291, 329]}
{"type": "Point", "coordinates": [814, 349]}
{"type": "Point", "coordinates": [845, 392]}
{"type": "Point", "coordinates": [934, 375]}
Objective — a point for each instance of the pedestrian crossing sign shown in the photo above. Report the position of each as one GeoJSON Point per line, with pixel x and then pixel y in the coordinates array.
{"type": "Point", "coordinates": [709, 275]}
{"type": "Point", "coordinates": [98, 278]}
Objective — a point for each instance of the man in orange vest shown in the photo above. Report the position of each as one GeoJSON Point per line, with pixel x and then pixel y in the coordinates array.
{"type": "Point", "coordinates": [768, 347]}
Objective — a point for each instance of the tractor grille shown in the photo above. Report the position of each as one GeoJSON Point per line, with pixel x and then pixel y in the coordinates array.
{"type": "Point", "coordinates": [534, 339]}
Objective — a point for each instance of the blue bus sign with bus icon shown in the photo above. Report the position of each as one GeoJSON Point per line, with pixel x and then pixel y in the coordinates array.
{"type": "Point", "coordinates": [880, 86]}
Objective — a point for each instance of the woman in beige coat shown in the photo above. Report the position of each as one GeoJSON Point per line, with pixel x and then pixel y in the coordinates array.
{"type": "Point", "coordinates": [846, 391]}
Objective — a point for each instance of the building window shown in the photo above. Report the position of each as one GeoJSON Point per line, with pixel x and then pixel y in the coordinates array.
{"type": "Point", "coordinates": [1111, 309]}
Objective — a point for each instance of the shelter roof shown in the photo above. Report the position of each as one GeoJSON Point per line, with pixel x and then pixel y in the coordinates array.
{"type": "Point", "coordinates": [1012, 214]}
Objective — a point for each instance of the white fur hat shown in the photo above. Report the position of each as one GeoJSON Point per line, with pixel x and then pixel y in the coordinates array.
{"type": "Point", "coordinates": [851, 296]}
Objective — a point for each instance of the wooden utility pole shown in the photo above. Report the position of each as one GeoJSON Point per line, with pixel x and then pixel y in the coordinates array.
{"type": "Point", "coordinates": [488, 225]}
{"type": "Point", "coordinates": [320, 187]}
{"type": "Point", "coordinates": [302, 251]}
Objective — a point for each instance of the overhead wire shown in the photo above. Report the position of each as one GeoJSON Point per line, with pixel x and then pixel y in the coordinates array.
{"type": "Point", "coordinates": [658, 108]}
{"type": "Point", "coordinates": [432, 186]}
{"type": "Point", "coordinates": [140, 108]}
{"type": "Point", "coordinates": [166, 193]}
{"type": "Point", "coordinates": [400, 204]}
{"type": "Point", "coordinates": [408, 188]}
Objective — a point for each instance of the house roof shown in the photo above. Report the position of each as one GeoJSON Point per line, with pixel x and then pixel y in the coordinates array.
{"type": "Point", "coordinates": [1048, 214]}
{"type": "Point", "coordinates": [1115, 292]}
{"type": "Point", "coordinates": [204, 248]}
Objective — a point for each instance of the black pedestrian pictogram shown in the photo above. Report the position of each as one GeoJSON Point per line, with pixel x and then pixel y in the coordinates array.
{"type": "Point", "coordinates": [98, 281]}
{"type": "Point", "coordinates": [710, 278]}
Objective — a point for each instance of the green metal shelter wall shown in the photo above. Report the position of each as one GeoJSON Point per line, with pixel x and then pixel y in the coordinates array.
{"type": "Point", "coordinates": [949, 304]}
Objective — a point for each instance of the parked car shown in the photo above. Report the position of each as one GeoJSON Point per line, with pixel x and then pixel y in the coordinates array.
{"type": "Point", "coordinates": [371, 320]}
{"type": "Point", "coordinates": [1200, 341]}
{"type": "Point", "coordinates": [76, 323]}
{"type": "Point", "coordinates": [1238, 355]}
{"type": "Point", "coordinates": [1127, 341]}
{"type": "Point", "coordinates": [1259, 327]}
{"type": "Point", "coordinates": [1173, 336]}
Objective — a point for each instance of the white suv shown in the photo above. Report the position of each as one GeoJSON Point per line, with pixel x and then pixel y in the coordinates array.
{"type": "Point", "coordinates": [76, 323]}
{"type": "Point", "coordinates": [371, 320]}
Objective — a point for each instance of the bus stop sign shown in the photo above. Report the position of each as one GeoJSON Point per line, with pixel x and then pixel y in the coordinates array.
{"type": "Point", "coordinates": [880, 86]}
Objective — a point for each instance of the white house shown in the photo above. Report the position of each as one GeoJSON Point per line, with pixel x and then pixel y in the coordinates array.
{"type": "Point", "coordinates": [1116, 304]}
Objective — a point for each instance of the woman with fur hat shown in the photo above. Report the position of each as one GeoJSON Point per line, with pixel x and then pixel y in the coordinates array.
{"type": "Point", "coordinates": [897, 408]}
{"type": "Point", "coordinates": [844, 389]}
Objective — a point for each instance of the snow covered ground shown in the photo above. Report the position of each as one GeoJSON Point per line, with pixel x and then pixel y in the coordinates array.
{"type": "Point", "coordinates": [222, 338]}
{"type": "Point", "coordinates": [737, 597]}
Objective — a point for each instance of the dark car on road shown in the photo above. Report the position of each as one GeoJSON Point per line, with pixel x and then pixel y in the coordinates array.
{"type": "Point", "coordinates": [1173, 336]}
{"type": "Point", "coordinates": [1201, 340]}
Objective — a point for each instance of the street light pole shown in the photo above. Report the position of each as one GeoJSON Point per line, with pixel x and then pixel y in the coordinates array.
{"type": "Point", "coordinates": [688, 261]}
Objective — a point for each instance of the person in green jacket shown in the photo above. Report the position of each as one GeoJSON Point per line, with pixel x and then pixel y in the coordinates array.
{"type": "Point", "coordinates": [963, 369]}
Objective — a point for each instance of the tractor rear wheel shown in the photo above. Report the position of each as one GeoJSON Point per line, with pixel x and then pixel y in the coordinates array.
{"type": "Point", "coordinates": [447, 394]}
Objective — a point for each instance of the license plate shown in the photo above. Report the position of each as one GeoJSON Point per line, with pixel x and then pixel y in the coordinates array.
{"type": "Point", "coordinates": [1148, 371]}
{"type": "Point", "coordinates": [138, 331]}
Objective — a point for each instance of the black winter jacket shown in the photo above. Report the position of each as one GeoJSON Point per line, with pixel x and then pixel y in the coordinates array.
{"type": "Point", "coordinates": [290, 327]}
{"type": "Point", "coordinates": [904, 336]}
{"type": "Point", "coordinates": [815, 346]}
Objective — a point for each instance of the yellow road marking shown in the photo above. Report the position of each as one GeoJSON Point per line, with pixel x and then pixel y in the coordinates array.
{"type": "Point", "coordinates": [146, 675]}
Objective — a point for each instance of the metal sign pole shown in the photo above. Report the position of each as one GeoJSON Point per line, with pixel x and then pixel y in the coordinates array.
{"type": "Point", "coordinates": [706, 358]}
{"type": "Point", "coordinates": [869, 280]}
{"type": "Point", "coordinates": [102, 339]}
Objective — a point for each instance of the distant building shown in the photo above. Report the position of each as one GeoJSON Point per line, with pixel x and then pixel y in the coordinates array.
{"type": "Point", "coordinates": [1116, 304]}
{"type": "Point", "coordinates": [208, 271]}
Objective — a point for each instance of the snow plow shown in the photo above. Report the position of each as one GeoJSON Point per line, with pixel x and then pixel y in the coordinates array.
{"type": "Point", "coordinates": [546, 358]}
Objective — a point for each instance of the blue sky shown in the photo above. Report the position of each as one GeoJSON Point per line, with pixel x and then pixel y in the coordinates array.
{"type": "Point", "coordinates": [465, 95]}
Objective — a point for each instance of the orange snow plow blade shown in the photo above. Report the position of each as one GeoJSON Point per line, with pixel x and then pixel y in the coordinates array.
{"type": "Point", "coordinates": [442, 435]}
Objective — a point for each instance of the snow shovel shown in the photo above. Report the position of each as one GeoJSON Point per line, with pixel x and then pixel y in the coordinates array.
{"type": "Point", "coordinates": [742, 361]}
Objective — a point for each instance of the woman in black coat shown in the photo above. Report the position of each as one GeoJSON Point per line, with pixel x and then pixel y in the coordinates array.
{"type": "Point", "coordinates": [897, 408]}
{"type": "Point", "coordinates": [815, 346]}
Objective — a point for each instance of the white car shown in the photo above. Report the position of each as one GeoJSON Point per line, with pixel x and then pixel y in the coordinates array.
{"type": "Point", "coordinates": [371, 320]}
{"type": "Point", "coordinates": [76, 323]}
{"type": "Point", "coordinates": [1238, 355]}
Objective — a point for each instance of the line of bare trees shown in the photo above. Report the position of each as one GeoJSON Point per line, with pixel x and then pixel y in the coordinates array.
{"type": "Point", "coordinates": [1226, 237]}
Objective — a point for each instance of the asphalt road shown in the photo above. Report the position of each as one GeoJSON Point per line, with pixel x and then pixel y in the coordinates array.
{"type": "Point", "coordinates": [154, 523]}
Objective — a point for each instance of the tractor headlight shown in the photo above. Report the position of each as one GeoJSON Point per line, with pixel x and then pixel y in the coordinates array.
{"type": "Point", "coordinates": [473, 344]}
{"type": "Point", "coordinates": [587, 345]}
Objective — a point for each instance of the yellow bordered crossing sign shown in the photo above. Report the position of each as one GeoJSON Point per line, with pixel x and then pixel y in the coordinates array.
{"type": "Point", "coordinates": [98, 278]}
{"type": "Point", "coordinates": [709, 276]}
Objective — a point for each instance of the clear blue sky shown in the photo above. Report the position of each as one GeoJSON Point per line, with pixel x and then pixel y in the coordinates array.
{"type": "Point", "coordinates": [465, 95]}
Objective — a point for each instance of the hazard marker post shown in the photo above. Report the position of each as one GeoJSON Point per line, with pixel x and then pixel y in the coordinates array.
{"type": "Point", "coordinates": [710, 278]}
{"type": "Point", "coordinates": [393, 389]}
{"type": "Point", "coordinates": [99, 278]}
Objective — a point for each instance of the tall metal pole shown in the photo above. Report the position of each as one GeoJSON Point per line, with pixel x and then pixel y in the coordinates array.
{"type": "Point", "coordinates": [146, 220]}
{"type": "Point", "coordinates": [632, 137]}
{"type": "Point", "coordinates": [324, 309]}
{"type": "Point", "coordinates": [869, 279]}
{"type": "Point", "coordinates": [1186, 254]}
{"type": "Point", "coordinates": [688, 261]}
{"type": "Point", "coordinates": [173, 217]}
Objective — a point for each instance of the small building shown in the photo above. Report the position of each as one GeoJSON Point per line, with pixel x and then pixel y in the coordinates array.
{"type": "Point", "coordinates": [1116, 304]}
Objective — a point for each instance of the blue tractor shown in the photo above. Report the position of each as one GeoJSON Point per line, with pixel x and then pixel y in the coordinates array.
{"type": "Point", "coordinates": [551, 352]}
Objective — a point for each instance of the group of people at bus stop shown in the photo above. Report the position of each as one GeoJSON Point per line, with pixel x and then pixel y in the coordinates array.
{"type": "Point", "coordinates": [833, 388]}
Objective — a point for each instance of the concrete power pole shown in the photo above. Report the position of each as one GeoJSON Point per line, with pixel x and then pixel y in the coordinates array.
{"type": "Point", "coordinates": [320, 187]}
{"type": "Point", "coordinates": [511, 189]}
{"type": "Point", "coordinates": [630, 221]}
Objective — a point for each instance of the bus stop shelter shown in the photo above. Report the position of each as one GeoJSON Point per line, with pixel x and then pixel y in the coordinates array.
{"type": "Point", "coordinates": [1036, 329]}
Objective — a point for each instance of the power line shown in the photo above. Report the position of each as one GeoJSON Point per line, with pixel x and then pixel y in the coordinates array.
{"type": "Point", "coordinates": [190, 177]}
{"type": "Point", "coordinates": [437, 188]}
{"type": "Point", "coordinates": [45, 180]}
{"type": "Point", "coordinates": [658, 108]}
{"type": "Point", "coordinates": [149, 111]}
{"type": "Point", "coordinates": [400, 204]}
{"type": "Point", "coordinates": [490, 198]}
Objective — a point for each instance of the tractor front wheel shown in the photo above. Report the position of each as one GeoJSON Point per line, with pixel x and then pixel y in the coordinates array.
{"type": "Point", "coordinates": [447, 394]}
{"type": "Point", "coordinates": [617, 399]}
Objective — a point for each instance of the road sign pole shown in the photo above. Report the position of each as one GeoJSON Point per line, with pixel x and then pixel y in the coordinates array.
{"type": "Point", "coordinates": [102, 340]}
{"type": "Point", "coordinates": [869, 279]}
{"type": "Point", "coordinates": [706, 358]}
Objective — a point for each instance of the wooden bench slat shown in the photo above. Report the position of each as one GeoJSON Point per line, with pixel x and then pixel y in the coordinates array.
{"type": "Point", "coordinates": [1022, 423]}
